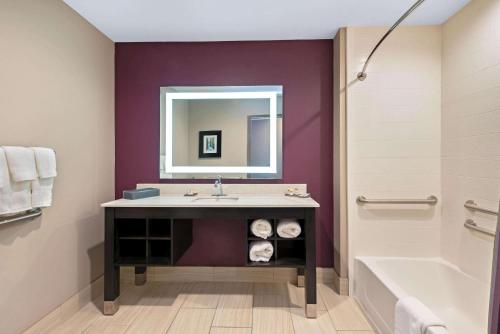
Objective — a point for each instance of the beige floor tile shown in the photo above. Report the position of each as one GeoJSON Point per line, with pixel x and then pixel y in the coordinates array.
{"type": "Point", "coordinates": [172, 294]}
{"type": "Point", "coordinates": [202, 295]}
{"type": "Point", "coordinates": [356, 332]}
{"type": "Point", "coordinates": [153, 320]}
{"type": "Point", "coordinates": [101, 328]}
{"type": "Point", "coordinates": [80, 321]}
{"type": "Point", "coordinates": [271, 315]}
{"type": "Point", "coordinates": [344, 311]}
{"type": "Point", "coordinates": [270, 289]}
{"type": "Point", "coordinates": [235, 306]}
{"type": "Point", "coordinates": [229, 330]}
{"type": "Point", "coordinates": [297, 297]}
{"type": "Point", "coordinates": [321, 325]}
{"type": "Point", "coordinates": [192, 321]}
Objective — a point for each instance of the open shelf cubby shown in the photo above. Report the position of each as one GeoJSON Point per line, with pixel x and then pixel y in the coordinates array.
{"type": "Point", "coordinates": [160, 228]}
{"type": "Point", "coordinates": [160, 252]}
{"type": "Point", "coordinates": [131, 228]}
{"type": "Point", "coordinates": [132, 251]}
{"type": "Point", "coordinates": [288, 252]}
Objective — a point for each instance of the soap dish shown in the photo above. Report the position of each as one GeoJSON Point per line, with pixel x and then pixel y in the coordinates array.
{"type": "Point", "coordinates": [305, 195]}
{"type": "Point", "coordinates": [190, 193]}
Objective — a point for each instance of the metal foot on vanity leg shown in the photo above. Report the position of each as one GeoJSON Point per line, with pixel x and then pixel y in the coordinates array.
{"type": "Point", "coordinates": [311, 311]}
{"type": "Point", "coordinates": [111, 307]}
{"type": "Point", "coordinates": [141, 275]}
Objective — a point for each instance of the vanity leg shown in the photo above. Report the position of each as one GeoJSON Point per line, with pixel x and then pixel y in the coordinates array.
{"type": "Point", "coordinates": [310, 270]}
{"type": "Point", "coordinates": [300, 277]}
{"type": "Point", "coordinates": [111, 271]}
{"type": "Point", "coordinates": [141, 275]}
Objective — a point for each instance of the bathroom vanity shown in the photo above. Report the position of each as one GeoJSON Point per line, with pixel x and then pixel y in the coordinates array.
{"type": "Point", "coordinates": [157, 231]}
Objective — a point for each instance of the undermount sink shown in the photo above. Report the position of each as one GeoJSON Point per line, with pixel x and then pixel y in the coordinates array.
{"type": "Point", "coordinates": [216, 198]}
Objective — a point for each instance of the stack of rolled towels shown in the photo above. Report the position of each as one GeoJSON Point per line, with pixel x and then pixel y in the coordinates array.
{"type": "Point", "coordinates": [26, 178]}
{"type": "Point", "coordinates": [262, 251]}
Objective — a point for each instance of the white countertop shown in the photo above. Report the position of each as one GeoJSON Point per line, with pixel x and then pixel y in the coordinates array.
{"type": "Point", "coordinates": [203, 201]}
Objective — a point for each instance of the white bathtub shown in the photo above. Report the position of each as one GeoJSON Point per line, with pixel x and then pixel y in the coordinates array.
{"type": "Point", "coordinates": [460, 300]}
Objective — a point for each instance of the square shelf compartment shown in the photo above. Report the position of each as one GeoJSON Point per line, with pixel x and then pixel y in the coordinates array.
{"type": "Point", "coordinates": [290, 252]}
{"type": "Point", "coordinates": [131, 228]}
{"type": "Point", "coordinates": [160, 228]}
{"type": "Point", "coordinates": [160, 252]}
{"type": "Point", "coordinates": [251, 236]}
{"type": "Point", "coordinates": [299, 237]}
{"type": "Point", "coordinates": [271, 261]}
{"type": "Point", "coordinates": [132, 251]}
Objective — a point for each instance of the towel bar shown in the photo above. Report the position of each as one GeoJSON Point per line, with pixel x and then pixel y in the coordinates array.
{"type": "Point", "coordinates": [471, 225]}
{"type": "Point", "coordinates": [30, 214]}
{"type": "Point", "coordinates": [431, 200]}
{"type": "Point", "coordinates": [471, 205]}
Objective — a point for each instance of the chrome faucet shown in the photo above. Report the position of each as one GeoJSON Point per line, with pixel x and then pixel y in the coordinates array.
{"type": "Point", "coordinates": [218, 187]}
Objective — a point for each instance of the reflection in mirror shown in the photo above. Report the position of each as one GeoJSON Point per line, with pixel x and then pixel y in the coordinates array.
{"type": "Point", "coordinates": [231, 131]}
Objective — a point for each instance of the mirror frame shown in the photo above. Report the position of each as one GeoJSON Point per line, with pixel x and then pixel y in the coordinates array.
{"type": "Point", "coordinates": [170, 169]}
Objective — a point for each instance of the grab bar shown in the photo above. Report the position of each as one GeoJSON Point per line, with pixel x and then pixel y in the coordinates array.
{"type": "Point", "coordinates": [30, 214]}
{"type": "Point", "coordinates": [431, 200]}
{"type": "Point", "coordinates": [471, 205]}
{"type": "Point", "coordinates": [471, 224]}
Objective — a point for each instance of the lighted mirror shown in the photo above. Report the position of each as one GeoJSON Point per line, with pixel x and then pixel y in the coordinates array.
{"type": "Point", "coordinates": [233, 131]}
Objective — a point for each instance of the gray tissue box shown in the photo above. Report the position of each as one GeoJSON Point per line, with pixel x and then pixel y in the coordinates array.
{"type": "Point", "coordinates": [141, 193]}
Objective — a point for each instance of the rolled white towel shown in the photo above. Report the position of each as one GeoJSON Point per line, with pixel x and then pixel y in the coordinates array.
{"type": "Point", "coordinates": [261, 228]}
{"type": "Point", "coordinates": [288, 228]}
{"type": "Point", "coordinates": [261, 251]}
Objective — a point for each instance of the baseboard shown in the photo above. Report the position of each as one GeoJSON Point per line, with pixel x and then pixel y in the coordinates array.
{"type": "Point", "coordinates": [67, 309]}
{"type": "Point", "coordinates": [341, 284]}
{"type": "Point", "coordinates": [224, 274]}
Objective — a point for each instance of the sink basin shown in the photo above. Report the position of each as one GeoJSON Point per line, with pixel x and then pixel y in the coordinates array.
{"type": "Point", "coordinates": [215, 198]}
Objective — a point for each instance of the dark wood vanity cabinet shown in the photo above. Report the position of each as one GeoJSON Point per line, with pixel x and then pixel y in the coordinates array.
{"type": "Point", "coordinates": [159, 236]}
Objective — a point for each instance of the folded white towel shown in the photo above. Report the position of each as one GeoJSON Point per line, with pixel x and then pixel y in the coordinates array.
{"type": "Point", "coordinates": [14, 196]}
{"type": "Point", "coordinates": [41, 192]}
{"type": "Point", "coordinates": [21, 162]}
{"type": "Point", "coordinates": [45, 162]}
{"type": "Point", "coordinates": [4, 184]}
{"type": "Point", "coordinates": [261, 251]}
{"type": "Point", "coordinates": [413, 317]}
{"type": "Point", "coordinates": [288, 228]}
{"type": "Point", "coordinates": [261, 228]}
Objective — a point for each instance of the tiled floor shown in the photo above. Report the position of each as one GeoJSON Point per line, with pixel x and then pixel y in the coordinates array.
{"type": "Point", "coordinates": [220, 308]}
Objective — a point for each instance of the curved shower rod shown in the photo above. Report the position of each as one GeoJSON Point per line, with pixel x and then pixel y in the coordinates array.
{"type": "Point", "coordinates": [362, 75]}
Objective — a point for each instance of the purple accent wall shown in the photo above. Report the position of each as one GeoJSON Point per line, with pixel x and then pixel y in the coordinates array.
{"type": "Point", "coordinates": [304, 68]}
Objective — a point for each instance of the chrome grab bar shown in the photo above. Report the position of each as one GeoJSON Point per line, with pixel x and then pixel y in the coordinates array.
{"type": "Point", "coordinates": [471, 205]}
{"type": "Point", "coordinates": [431, 200]}
{"type": "Point", "coordinates": [471, 225]}
{"type": "Point", "coordinates": [30, 214]}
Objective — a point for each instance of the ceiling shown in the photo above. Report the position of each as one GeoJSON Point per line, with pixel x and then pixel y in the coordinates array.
{"type": "Point", "coordinates": [231, 20]}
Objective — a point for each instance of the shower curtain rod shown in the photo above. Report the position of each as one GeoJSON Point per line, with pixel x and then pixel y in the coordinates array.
{"type": "Point", "coordinates": [362, 75]}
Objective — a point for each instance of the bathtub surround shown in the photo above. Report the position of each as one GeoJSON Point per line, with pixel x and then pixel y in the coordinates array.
{"type": "Point", "coordinates": [471, 137]}
{"type": "Point", "coordinates": [471, 133]}
{"type": "Point", "coordinates": [56, 90]}
{"type": "Point", "coordinates": [394, 137]}
{"type": "Point", "coordinates": [303, 68]}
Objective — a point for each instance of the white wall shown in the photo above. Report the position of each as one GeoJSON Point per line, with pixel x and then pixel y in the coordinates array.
{"type": "Point", "coordinates": [471, 132]}
{"type": "Point", "coordinates": [56, 90]}
{"type": "Point", "coordinates": [394, 141]}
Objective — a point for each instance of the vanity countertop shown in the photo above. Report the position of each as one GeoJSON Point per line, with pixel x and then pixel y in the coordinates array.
{"type": "Point", "coordinates": [230, 201]}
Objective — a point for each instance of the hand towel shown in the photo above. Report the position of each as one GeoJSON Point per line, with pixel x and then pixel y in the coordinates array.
{"type": "Point", "coordinates": [41, 188]}
{"type": "Point", "coordinates": [45, 159]}
{"type": "Point", "coordinates": [4, 184]}
{"type": "Point", "coordinates": [413, 317]}
{"type": "Point", "coordinates": [21, 162]}
{"type": "Point", "coordinates": [14, 196]}
{"type": "Point", "coordinates": [261, 251]}
{"type": "Point", "coordinates": [41, 192]}
{"type": "Point", "coordinates": [261, 228]}
{"type": "Point", "coordinates": [288, 228]}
